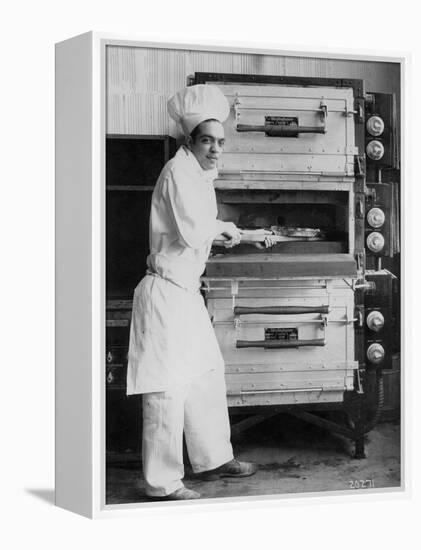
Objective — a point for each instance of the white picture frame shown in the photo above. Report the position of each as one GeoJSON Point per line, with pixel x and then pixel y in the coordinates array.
{"type": "Point", "coordinates": [81, 111]}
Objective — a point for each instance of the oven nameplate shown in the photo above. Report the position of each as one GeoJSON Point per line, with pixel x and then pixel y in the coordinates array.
{"type": "Point", "coordinates": [284, 333]}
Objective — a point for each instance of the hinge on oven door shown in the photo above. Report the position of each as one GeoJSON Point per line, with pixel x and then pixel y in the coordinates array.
{"type": "Point", "coordinates": [365, 285]}
{"type": "Point", "coordinates": [234, 292]}
{"type": "Point", "coordinates": [359, 388]}
{"type": "Point", "coordinates": [359, 209]}
{"type": "Point", "coordinates": [359, 109]}
{"type": "Point", "coordinates": [359, 316]}
{"type": "Point", "coordinates": [359, 165]}
{"type": "Point", "coordinates": [361, 282]}
{"type": "Point", "coordinates": [360, 259]}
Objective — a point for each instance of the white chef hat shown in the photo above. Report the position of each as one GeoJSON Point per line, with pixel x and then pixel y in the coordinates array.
{"type": "Point", "coordinates": [194, 104]}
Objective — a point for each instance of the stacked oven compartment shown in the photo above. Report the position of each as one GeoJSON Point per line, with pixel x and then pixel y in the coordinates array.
{"type": "Point", "coordinates": [290, 320]}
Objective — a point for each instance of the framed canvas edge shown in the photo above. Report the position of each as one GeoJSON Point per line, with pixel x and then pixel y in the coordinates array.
{"type": "Point", "coordinates": [260, 48]}
{"type": "Point", "coordinates": [100, 41]}
{"type": "Point", "coordinates": [73, 253]}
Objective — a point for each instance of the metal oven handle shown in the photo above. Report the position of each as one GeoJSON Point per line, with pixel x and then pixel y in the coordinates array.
{"type": "Point", "coordinates": [286, 390]}
{"type": "Point", "coordinates": [281, 130]}
{"type": "Point", "coordinates": [279, 310]}
{"type": "Point", "coordinates": [279, 344]}
{"type": "Point", "coordinates": [288, 130]}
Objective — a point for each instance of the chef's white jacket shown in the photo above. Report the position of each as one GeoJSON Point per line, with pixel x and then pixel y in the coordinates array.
{"type": "Point", "coordinates": [171, 336]}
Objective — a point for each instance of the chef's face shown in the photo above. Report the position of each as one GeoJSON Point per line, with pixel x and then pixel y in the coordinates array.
{"type": "Point", "coordinates": [207, 143]}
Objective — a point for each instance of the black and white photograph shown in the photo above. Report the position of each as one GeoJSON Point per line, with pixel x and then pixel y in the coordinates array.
{"type": "Point", "coordinates": [252, 274]}
{"type": "Point", "coordinates": [210, 293]}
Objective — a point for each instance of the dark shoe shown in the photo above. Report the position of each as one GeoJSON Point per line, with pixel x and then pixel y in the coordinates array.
{"type": "Point", "coordinates": [233, 468]}
{"type": "Point", "coordinates": [180, 494]}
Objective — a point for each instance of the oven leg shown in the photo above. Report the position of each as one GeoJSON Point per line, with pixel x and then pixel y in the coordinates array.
{"type": "Point", "coordinates": [360, 425]}
{"type": "Point", "coordinates": [355, 410]}
{"type": "Point", "coordinates": [359, 448]}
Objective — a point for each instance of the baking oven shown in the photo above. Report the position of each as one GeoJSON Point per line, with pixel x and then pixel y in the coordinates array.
{"type": "Point", "coordinates": [291, 319]}
{"type": "Point", "coordinates": [307, 325]}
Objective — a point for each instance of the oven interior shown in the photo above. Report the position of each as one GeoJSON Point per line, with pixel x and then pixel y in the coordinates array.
{"type": "Point", "coordinates": [327, 211]}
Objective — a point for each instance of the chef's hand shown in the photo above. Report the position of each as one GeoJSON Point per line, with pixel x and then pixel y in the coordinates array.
{"type": "Point", "coordinates": [232, 234]}
{"type": "Point", "coordinates": [269, 241]}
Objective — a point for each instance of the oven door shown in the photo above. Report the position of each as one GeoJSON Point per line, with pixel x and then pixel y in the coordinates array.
{"type": "Point", "coordinates": [288, 343]}
{"type": "Point", "coordinates": [297, 130]}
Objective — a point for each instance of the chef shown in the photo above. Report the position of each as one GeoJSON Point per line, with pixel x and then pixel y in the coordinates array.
{"type": "Point", "coordinates": [174, 357]}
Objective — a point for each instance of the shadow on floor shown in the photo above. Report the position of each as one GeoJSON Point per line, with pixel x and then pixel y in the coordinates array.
{"type": "Point", "coordinates": [47, 495]}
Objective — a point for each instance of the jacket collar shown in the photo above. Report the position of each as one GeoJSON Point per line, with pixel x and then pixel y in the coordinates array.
{"type": "Point", "coordinates": [185, 153]}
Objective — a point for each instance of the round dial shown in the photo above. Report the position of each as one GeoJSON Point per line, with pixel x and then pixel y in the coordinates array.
{"type": "Point", "coordinates": [375, 126]}
{"type": "Point", "coordinates": [375, 353]}
{"type": "Point", "coordinates": [375, 321]}
{"type": "Point", "coordinates": [375, 149]}
{"type": "Point", "coordinates": [375, 242]}
{"type": "Point", "coordinates": [375, 217]}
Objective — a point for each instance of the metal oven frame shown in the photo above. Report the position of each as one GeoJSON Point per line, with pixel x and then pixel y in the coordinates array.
{"type": "Point", "coordinates": [361, 409]}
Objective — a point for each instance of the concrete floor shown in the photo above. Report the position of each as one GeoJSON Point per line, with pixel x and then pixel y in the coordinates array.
{"type": "Point", "coordinates": [293, 457]}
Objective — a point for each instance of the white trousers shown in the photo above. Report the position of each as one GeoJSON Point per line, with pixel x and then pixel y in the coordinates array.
{"type": "Point", "coordinates": [199, 408]}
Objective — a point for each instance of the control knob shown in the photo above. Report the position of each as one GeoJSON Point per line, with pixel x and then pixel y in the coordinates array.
{"type": "Point", "coordinates": [375, 242]}
{"type": "Point", "coordinates": [375, 321]}
{"type": "Point", "coordinates": [375, 149]}
{"type": "Point", "coordinates": [375, 353]}
{"type": "Point", "coordinates": [375, 217]}
{"type": "Point", "coordinates": [375, 126]}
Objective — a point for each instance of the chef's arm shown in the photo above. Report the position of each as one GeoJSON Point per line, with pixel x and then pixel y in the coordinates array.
{"type": "Point", "coordinates": [192, 213]}
{"type": "Point", "coordinates": [228, 232]}
{"type": "Point", "coordinates": [258, 238]}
